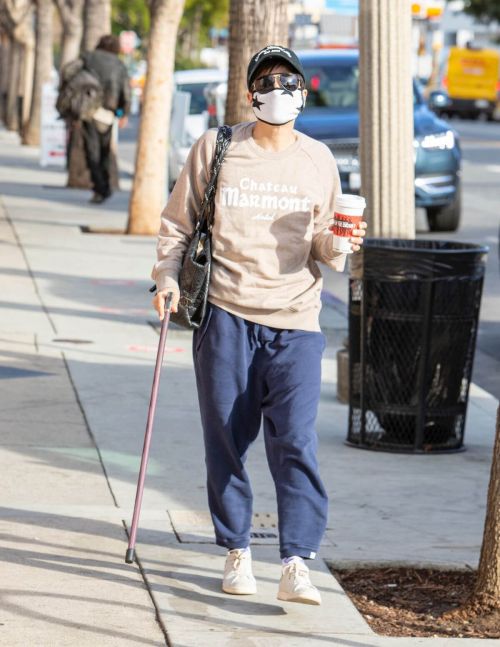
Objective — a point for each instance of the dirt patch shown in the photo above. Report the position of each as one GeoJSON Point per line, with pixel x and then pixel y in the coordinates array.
{"type": "Point", "coordinates": [418, 602]}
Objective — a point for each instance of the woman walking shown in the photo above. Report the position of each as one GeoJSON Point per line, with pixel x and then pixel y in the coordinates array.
{"type": "Point", "coordinates": [257, 354]}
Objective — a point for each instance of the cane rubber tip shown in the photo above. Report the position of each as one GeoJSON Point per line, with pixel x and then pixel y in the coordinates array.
{"type": "Point", "coordinates": [130, 556]}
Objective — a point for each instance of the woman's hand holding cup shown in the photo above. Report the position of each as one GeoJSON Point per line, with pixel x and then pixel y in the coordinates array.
{"type": "Point", "coordinates": [348, 228]}
{"type": "Point", "coordinates": [358, 234]}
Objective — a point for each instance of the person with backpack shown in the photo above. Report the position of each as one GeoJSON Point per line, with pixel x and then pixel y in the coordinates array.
{"type": "Point", "coordinates": [94, 89]}
{"type": "Point", "coordinates": [257, 354]}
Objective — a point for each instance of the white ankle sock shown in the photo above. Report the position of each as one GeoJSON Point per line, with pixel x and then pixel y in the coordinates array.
{"type": "Point", "coordinates": [293, 558]}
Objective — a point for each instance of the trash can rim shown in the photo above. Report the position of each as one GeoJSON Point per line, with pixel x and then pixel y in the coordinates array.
{"type": "Point", "coordinates": [467, 248]}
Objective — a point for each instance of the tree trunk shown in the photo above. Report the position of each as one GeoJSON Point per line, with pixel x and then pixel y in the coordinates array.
{"type": "Point", "coordinates": [184, 38]}
{"type": "Point", "coordinates": [16, 21]}
{"type": "Point", "coordinates": [70, 12]}
{"type": "Point", "coordinates": [6, 47]}
{"type": "Point", "coordinates": [12, 103]}
{"type": "Point", "coordinates": [485, 598]}
{"type": "Point", "coordinates": [149, 187]}
{"type": "Point", "coordinates": [44, 61]}
{"type": "Point", "coordinates": [253, 24]}
{"type": "Point", "coordinates": [196, 31]}
{"type": "Point", "coordinates": [487, 589]}
{"type": "Point", "coordinates": [96, 22]}
{"type": "Point", "coordinates": [27, 72]}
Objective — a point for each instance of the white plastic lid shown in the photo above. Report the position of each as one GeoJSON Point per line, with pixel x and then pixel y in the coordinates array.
{"type": "Point", "coordinates": [350, 201]}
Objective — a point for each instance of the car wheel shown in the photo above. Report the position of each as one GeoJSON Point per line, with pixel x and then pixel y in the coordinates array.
{"type": "Point", "coordinates": [446, 218]}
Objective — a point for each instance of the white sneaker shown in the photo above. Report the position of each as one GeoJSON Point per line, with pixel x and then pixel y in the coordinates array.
{"type": "Point", "coordinates": [238, 577]}
{"type": "Point", "coordinates": [295, 585]}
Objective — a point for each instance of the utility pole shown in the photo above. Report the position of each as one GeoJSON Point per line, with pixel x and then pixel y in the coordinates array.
{"type": "Point", "coordinates": [386, 117]}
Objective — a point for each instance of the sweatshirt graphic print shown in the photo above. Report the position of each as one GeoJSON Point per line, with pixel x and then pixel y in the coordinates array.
{"type": "Point", "coordinates": [272, 212]}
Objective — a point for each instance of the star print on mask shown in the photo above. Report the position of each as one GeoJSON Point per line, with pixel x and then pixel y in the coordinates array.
{"type": "Point", "coordinates": [256, 103]}
{"type": "Point", "coordinates": [279, 106]}
{"type": "Point", "coordinates": [285, 91]}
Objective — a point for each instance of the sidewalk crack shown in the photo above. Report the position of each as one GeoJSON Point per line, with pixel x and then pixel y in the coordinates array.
{"type": "Point", "coordinates": [10, 222]}
{"type": "Point", "coordinates": [142, 571]}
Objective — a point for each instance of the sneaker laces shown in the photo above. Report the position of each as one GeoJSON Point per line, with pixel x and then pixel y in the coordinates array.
{"type": "Point", "coordinates": [296, 569]}
{"type": "Point", "coordinates": [235, 560]}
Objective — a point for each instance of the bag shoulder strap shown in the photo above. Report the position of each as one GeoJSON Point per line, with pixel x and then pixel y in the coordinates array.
{"type": "Point", "coordinates": [224, 135]}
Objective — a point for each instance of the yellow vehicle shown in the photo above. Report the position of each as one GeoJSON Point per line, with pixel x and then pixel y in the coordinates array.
{"type": "Point", "coordinates": [472, 81]}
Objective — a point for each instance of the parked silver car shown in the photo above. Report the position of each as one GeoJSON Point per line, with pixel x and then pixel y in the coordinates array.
{"type": "Point", "coordinates": [193, 119]}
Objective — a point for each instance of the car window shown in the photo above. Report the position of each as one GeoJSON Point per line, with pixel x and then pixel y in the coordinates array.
{"type": "Point", "coordinates": [335, 84]}
{"type": "Point", "coordinates": [332, 85]}
{"type": "Point", "coordinates": [198, 102]}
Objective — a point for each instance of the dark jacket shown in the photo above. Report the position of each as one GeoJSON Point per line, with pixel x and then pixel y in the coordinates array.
{"type": "Point", "coordinates": [113, 76]}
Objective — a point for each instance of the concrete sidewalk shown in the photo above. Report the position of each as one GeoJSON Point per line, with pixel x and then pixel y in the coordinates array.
{"type": "Point", "coordinates": [77, 348]}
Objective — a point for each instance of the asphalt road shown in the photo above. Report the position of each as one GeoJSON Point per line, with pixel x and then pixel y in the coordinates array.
{"type": "Point", "coordinates": [480, 224]}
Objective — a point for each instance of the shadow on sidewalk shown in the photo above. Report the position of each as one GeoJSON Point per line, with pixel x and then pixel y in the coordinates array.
{"type": "Point", "coordinates": [101, 314]}
{"type": "Point", "coordinates": [28, 541]}
{"type": "Point", "coordinates": [18, 609]}
{"type": "Point", "coordinates": [62, 195]}
{"type": "Point", "coordinates": [96, 564]}
{"type": "Point", "coordinates": [43, 422]}
{"type": "Point", "coordinates": [114, 300]}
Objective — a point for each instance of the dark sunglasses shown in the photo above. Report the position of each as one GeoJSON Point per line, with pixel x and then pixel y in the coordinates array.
{"type": "Point", "coordinates": [269, 82]}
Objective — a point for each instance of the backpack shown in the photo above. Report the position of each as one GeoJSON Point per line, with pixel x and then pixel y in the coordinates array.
{"type": "Point", "coordinates": [80, 94]}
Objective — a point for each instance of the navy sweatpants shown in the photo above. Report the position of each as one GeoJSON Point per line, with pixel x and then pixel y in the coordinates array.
{"type": "Point", "coordinates": [247, 372]}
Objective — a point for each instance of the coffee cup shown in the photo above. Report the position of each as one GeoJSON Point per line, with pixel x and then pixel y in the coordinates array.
{"type": "Point", "coordinates": [348, 213]}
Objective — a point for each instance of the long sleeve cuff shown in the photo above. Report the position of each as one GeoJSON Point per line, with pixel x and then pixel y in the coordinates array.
{"type": "Point", "coordinates": [338, 262]}
{"type": "Point", "coordinates": [165, 282]}
{"type": "Point", "coordinates": [324, 252]}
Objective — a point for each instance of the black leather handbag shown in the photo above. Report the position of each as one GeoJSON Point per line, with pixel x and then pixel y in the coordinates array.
{"type": "Point", "coordinates": [194, 277]}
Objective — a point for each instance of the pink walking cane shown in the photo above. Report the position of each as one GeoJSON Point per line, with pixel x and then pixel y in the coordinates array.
{"type": "Point", "coordinates": [130, 554]}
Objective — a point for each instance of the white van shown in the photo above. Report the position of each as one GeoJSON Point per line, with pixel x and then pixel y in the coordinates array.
{"type": "Point", "coordinates": [196, 83]}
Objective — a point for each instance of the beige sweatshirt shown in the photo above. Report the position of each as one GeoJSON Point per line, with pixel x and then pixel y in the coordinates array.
{"type": "Point", "coordinates": [272, 212]}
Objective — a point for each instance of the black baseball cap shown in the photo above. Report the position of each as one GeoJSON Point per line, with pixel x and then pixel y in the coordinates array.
{"type": "Point", "coordinates": [275, 52]}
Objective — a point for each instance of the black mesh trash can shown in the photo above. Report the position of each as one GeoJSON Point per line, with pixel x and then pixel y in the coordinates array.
{"type": "Point", "coordinates": [413, 318]}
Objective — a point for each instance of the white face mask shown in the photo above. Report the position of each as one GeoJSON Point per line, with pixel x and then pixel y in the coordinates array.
{"type": "Point", "coordinates": [279, 106]}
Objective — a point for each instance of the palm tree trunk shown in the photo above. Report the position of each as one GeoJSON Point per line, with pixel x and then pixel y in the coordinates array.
{"type": "Point", "coordinates": [44, 61]}
{"type": "Point", "coordinates": [70, 12]}
{"type": "Point", "coordinates": [253, 24]}
{"type": "Point", "coordinates": [149, 187]}
{"type": "Point", "coordinates": [96, 22]}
